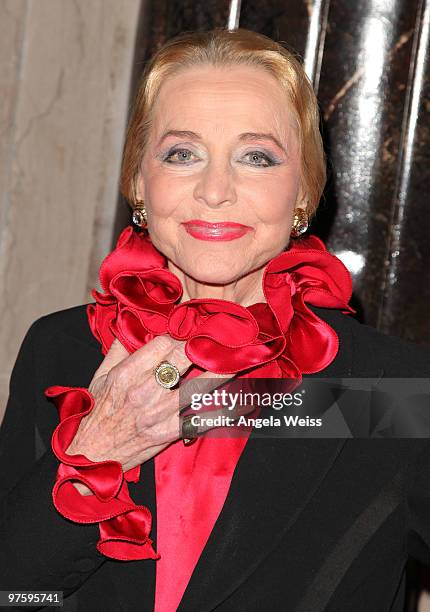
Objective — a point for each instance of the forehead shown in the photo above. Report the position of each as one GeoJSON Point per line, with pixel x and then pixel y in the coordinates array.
{"type": "Point", "coordinates": [239, 98]}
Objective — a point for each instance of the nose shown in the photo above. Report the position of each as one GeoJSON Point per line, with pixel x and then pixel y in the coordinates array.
{"type": "Point", "coordinates": [216, 185]}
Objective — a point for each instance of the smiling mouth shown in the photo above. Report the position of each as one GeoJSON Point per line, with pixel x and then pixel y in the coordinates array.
{"type": "Point", "coordinates": [203, 230]}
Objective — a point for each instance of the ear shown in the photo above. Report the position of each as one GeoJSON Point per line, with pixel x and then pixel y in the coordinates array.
{"type": "Point", "coordinates": [302, 201]}
{"type": "Point", "coordinates": [140, 187]}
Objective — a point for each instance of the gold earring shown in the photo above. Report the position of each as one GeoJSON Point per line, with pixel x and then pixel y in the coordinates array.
{"type": "Point", "coordinates": [139, 217]}
{"type": "Point", "coordinates": [300, 222]}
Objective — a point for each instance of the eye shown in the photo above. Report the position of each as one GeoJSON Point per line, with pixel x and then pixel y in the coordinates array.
{"type": "Point", "coordinates": [180, 156]}
{"type": "Point", "coordinates": [258, 158]}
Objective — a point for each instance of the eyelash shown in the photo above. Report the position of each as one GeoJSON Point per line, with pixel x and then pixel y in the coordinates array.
{"type": "Point", "coordinates": [269, 160]}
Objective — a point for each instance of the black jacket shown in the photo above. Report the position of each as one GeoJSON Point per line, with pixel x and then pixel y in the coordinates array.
{"type": "Point", "coordinates": [308, 524]}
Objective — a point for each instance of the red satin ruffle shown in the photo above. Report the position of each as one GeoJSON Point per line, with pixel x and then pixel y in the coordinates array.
{"type": "Point", "coordinates": [281, 338]}
{"type": "Point", "coordinates": [124, 526]}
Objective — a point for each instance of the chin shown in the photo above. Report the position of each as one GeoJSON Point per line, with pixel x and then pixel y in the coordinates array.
{"type": "Point", "coordinates": [211, 278]}
{"type": "Point", "coordinates": [214, 275]}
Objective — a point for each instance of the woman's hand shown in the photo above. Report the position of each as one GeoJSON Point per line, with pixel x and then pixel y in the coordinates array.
{"type": "Point", "coordinates": [133, 417]}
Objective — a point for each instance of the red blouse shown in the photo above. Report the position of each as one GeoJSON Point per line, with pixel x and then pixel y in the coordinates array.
{"type": "Point", "coordinates": [192, 484]}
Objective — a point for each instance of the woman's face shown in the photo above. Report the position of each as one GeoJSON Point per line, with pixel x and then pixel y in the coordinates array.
{"type": "Point", "coordinates": [223, 147]}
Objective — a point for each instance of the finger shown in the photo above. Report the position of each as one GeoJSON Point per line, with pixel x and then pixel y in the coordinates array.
{"type": "Point", "coordinates": [115, 355]}
{"type": "Point", "coordinates": [162, 423]}
{"type": "Point", "coordinates": [160, 431]}
{"type": "Point", "coordinates": [204, 421]}
{"type": "Point", "coordinates": [138, 369]}
{"type": "Point", "coordinates": [161, 348]}
{"type": "Point", "coordinates": [160, 407]}
{"type": "Point", "coordinates": [199, 385]}
{"type": "Point", "coordinates": [172, 351]}
{"type": "Point", "coordinates": [178, 357]}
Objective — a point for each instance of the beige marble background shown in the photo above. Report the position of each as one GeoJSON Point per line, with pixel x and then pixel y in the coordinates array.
{"type": "Point", "coordinates": [65, 69]}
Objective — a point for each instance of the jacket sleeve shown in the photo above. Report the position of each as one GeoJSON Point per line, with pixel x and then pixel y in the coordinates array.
{"type": "Point", "coordinates": [40, 550]}
{"type": "Point", "coordinates": [377, 354]}
{"type": "Point", "coordinates": [418, 506]}
{"type": "Point", "coordinates": [402, 359]}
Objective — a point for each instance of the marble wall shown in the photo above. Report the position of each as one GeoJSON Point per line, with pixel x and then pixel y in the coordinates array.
{"type": "Point", "coordinates": [65, 70]}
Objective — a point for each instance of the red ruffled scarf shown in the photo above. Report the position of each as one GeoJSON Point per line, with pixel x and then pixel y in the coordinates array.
{"type": "Point", "coordinates": [281, 338]}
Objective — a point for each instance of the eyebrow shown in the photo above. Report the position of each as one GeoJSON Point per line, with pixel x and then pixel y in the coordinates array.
{"type": "Point", "coordinates": [245, 137]}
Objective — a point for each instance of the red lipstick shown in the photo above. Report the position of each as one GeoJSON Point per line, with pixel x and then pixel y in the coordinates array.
{"type": "Point", "coordinates": [203, 230]}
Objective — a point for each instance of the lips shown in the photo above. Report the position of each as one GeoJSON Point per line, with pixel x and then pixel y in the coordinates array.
{"type": "Point", "coordinates": [223, 230]}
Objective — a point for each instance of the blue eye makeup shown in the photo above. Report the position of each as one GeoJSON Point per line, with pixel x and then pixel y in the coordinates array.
{"type": "Point", "coordinates": [183, 156]}
{"type": "Point", "coordinates": [261, 159]}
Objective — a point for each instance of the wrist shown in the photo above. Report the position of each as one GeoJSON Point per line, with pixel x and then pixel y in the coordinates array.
{"type": "Point", "coordinates": [83, 489]}
{"type": "Point", "coordinates": [71, 450]}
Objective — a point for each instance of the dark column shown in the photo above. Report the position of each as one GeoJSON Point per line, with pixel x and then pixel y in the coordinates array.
{"type": "Point", "coordinates": [369, 62]}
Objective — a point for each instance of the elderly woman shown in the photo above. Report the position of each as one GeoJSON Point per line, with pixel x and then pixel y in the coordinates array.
{"type": "Point", "coordinates": [101, 498]}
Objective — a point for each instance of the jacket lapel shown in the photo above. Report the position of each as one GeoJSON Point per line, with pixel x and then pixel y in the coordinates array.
{"type": "Point", "coordinates": [273, 482]}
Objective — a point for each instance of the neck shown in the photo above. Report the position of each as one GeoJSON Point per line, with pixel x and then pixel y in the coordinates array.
{"type": "Point", "coordinates": [244, 291]}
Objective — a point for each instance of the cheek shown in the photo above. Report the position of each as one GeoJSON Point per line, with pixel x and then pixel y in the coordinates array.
{"type": "Point", "coordinates": [274, 203]}
{"type": "Point", "coordinates": [159, 197]}
{"type": "Point", "coordinates": [162, 192]}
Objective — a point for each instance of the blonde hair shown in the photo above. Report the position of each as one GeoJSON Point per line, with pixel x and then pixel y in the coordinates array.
{"type": "Point", "coordinates": [221, 47]}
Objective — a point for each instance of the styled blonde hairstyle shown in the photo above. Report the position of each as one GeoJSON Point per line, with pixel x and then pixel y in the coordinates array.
{"type": "Point", "coordinates": [221, 47]}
